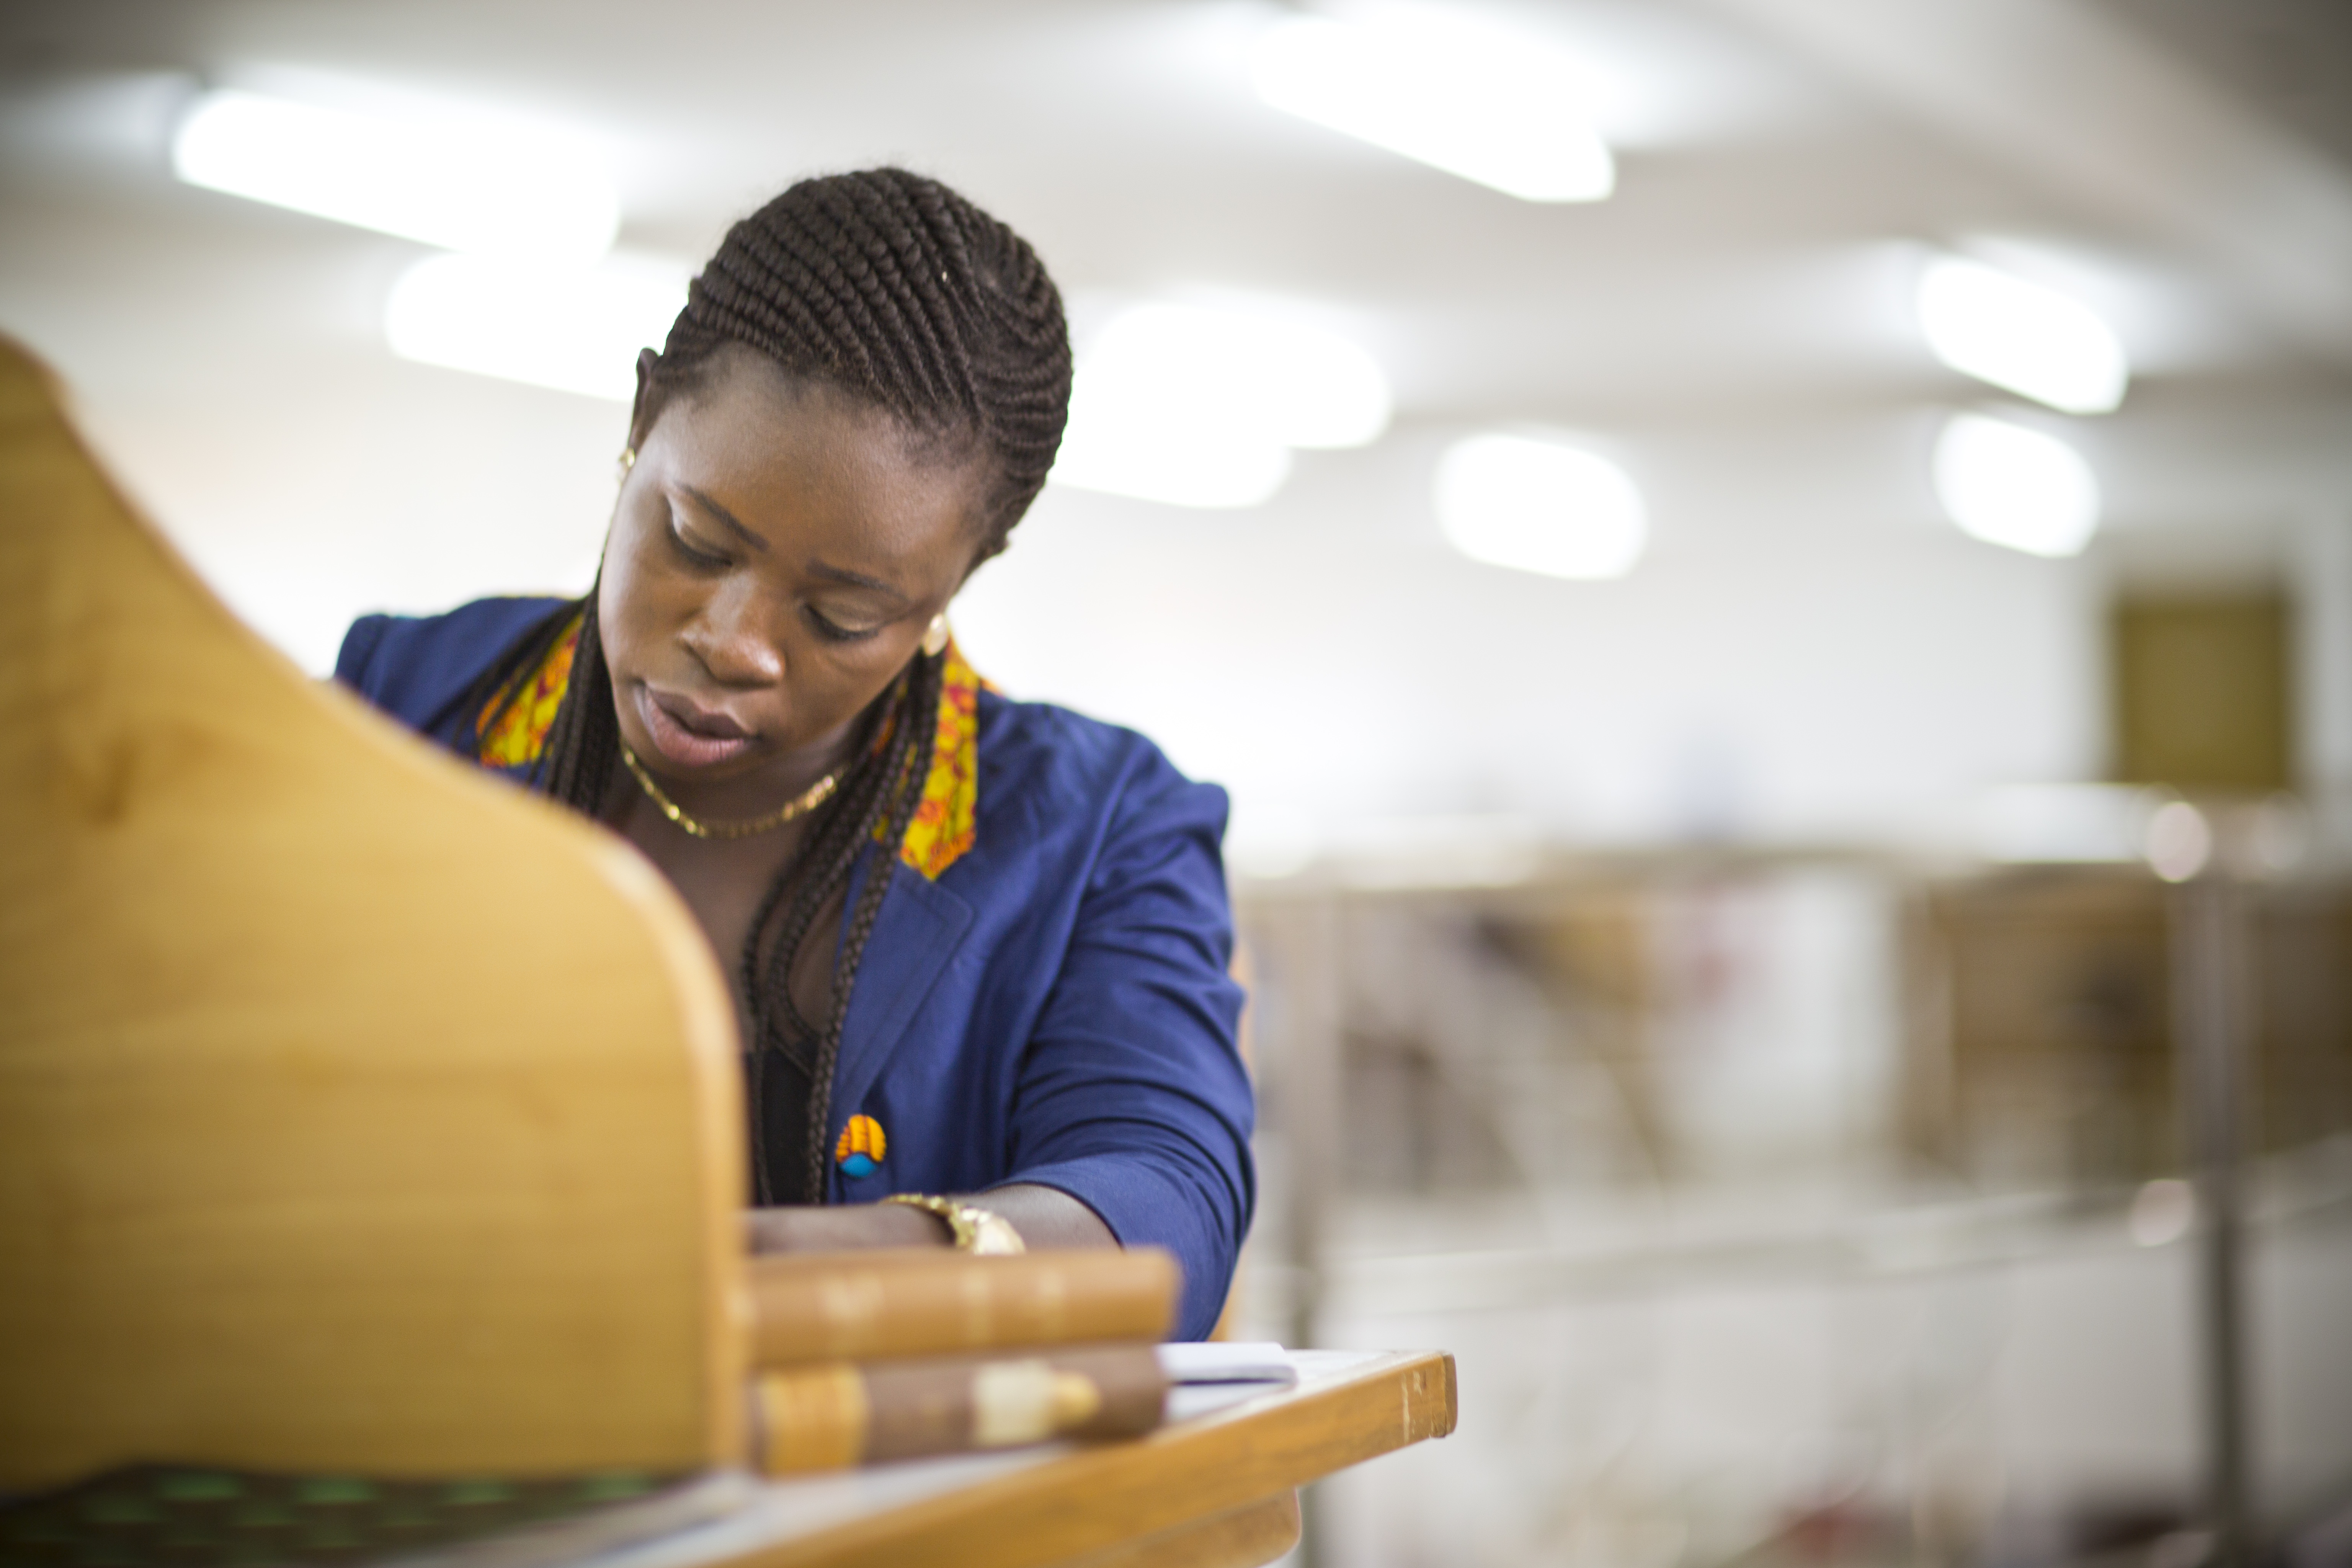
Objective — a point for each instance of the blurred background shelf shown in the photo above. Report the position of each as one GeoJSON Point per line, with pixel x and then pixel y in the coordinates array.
{"type": "Point", "coordinates": [1789, 1207]}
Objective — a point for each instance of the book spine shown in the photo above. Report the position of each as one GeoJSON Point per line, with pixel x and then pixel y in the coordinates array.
{"type": "Point", "coordinates": [884, 1305]}
{"type": "Point", "coordinates": [840, 1413]}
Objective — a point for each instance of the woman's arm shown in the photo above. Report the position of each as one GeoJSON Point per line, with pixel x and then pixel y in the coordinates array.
{"type": "Point", "coordinates": [1047, 1219]}
{"type": "Point", "coordinates": [1131, 1121]}
{"type": "Point", "coordinates": [1132, 1096]}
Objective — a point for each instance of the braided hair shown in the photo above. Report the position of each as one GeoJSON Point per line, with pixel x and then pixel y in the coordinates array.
{"type": "Point", "coordinates": [893, 288]}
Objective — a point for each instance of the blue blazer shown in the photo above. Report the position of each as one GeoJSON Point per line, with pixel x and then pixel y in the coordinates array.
{"type": "Point", "coordinates": [1054, 1008]}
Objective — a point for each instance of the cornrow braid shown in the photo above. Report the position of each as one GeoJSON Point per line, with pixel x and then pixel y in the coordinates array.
{"type": "Point", "coordinates": [895, 289]}
{"type": "Point", "coordinates": [827, 862]}
{"type": "Point", "coordinates": [583, 743]}
{"type": "Point", "coordinates": [905, 762]}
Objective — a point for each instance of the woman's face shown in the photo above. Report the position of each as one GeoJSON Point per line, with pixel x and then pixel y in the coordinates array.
{"type": "Point", "coordinates": [777, 552]}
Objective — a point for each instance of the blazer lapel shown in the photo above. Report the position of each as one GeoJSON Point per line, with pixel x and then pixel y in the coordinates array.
{"type": "Point", "coordinates": [921, 926]}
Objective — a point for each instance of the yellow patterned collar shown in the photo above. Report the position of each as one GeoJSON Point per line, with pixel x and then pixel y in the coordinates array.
{"type": "Point", "coordinates": [515, 732]}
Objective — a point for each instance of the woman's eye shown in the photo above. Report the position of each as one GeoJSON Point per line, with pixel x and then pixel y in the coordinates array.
{"type": "Point", "coordinates": [685, 546]}
{"type": "Point", "coordinates": [691, 553]}
{"type": "Point", "coordinates": [832, 630]}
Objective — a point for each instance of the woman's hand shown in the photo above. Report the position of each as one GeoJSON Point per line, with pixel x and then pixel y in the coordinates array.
{"type": "Point", "coordinates": [844, 1226]}
{"type": "Point", "coordinates": [1047, 1220]}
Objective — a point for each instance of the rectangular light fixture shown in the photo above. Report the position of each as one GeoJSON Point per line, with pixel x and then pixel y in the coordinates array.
{"type": "Point", "coordinates": [1445, 95]}
{"type": "Point", "coordinates": [1540, 506]}
{"type": "Point", "coordinates": [1194, 406]}
{"type": "Point", "coordinates": [1180, 464]}
{"type": "Point", "coordinates": [475, 186]}
{"type": "Point", "coordinates": [572, 329]}
{"type": "Point", "coordinates": [2020, 336]}
{"type": "Point", "coordinates": [2010, 486]}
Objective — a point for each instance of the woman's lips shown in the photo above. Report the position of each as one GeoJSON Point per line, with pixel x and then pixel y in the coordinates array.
{"type": "Point", "coordinates": [688, 736]}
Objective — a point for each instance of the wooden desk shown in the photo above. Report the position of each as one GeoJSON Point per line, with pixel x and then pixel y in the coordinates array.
{"type": "Point", "coordinates": [1214, 1491]}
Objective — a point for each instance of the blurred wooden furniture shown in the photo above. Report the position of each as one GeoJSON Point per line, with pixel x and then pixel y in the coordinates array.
{"type": "Point", "coordinates": [2057, 1061]}
{"type": "Point", "coordinates": [356, 1111]}
{"type": "Point", "coordinates": [2045, 1050]}
{"type": "Point", "coordinates": [1216, 1492]}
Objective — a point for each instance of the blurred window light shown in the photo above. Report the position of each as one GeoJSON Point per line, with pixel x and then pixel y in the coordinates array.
{"type": "Point", "coordinates": [2281, 834]}
{"type": "Point", "coordinates": [1538, 506]}
{"type": "Point", "coordinates": [2179, 841]}
{"type": "Point", "coordinates": [2162, 1212]}
{"type": "Point", "coordinates": [2010, 486]}
{"type": "Point", "coordinates": [1200, 407]}
{"type": "Point", "coordinates": [572, 329]}
{"type": "Point", "coordinates": [2063, 823]}
{"type": "Point", "coordinates": [2020, 336]}
{"type": "Point", "coordinates": [470, 187]}
{"type": "Point", "coordinates": [1484, 106]}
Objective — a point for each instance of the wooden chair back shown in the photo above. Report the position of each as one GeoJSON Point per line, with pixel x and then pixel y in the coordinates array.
{"type": "Point", "coordinates": [357, 1111]}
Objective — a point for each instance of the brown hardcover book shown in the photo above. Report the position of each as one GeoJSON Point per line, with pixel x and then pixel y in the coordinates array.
{"type": "Point", "coordinates": [834, 1415]}
{"type": "Point", "coordinates": [874, 1306]}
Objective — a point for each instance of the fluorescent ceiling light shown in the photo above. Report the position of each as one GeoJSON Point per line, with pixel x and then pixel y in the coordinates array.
{"type": "Point", "coordinates": [1201, 407]}
{"type": "Point", "coordinates": [1103, 450]}
{"type": "Point", "coordinates": [575, 330]}
{"type": "Point", "coordinates": [470, 187]}
{"type": "Point", "coordinates": [1282, 381]}
{"type": "Point", "coordinates": [1487, 109]}
{"type": "Point", "coordinates": [2007, 485]}
{"type": "Point", "coordinates": [2032, 340]}
{"type": "Point", "coordinates": [1538, 506]}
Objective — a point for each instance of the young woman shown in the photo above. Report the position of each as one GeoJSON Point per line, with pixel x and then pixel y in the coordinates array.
{"type": "Point", "coordinates": [978, 947]}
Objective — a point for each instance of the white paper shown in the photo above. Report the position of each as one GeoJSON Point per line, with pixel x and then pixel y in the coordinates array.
{"type": "Point", "coordinates": [1239, 1362]}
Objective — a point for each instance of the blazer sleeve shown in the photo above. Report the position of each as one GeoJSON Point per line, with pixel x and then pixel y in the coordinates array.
{"type": "Point", "coordinates": [354, 660]}
{"type": "Point", "coordinates": [1132, 1097]}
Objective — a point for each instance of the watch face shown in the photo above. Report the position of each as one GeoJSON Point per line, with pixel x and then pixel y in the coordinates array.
{"type": "Point", "coordinates": [993, 1234]}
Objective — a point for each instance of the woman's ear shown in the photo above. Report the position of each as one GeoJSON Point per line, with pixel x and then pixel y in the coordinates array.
{"type": "Point", "coordinates": [643, 404]}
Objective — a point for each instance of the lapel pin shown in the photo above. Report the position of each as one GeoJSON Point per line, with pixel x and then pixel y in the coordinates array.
{"type": "Point", "coordinates": [859, 1151]}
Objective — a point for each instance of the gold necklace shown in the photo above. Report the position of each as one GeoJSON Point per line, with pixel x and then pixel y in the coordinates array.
{"type": "Point", "coordinates": [816, 795]}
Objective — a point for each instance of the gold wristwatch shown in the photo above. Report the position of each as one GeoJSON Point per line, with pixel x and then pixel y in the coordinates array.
{"type": "Point", "coordinates": [982, 1232]}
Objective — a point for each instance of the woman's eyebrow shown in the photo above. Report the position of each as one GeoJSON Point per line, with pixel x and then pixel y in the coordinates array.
{"type": "Point", "coordinates": [853, 579]}
{"type": "Point", "coordinates": [735, 524]}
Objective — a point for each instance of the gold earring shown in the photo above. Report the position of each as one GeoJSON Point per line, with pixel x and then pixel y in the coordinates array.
{"type": "Point", "coordinates": [628, 460]}
{"type": "Point", "coordinates": [935, 635]}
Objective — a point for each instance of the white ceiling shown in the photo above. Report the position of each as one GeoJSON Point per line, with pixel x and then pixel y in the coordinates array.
{"type": "Point", "coordinates": [1778, 157]}
{"type": "Point", "coordinates": [1733, 321]}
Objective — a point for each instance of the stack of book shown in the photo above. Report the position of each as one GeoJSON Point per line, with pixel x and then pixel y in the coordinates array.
{"type": "Point", "coordinates": [859, 1357]}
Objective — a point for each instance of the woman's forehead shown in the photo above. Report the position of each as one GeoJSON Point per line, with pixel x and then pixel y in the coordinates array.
{"type": "Point", "coordinates": [791, 457]}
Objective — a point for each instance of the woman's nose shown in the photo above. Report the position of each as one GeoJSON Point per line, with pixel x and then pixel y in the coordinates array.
{"type": "Point", "coordinates": [734, 637]}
